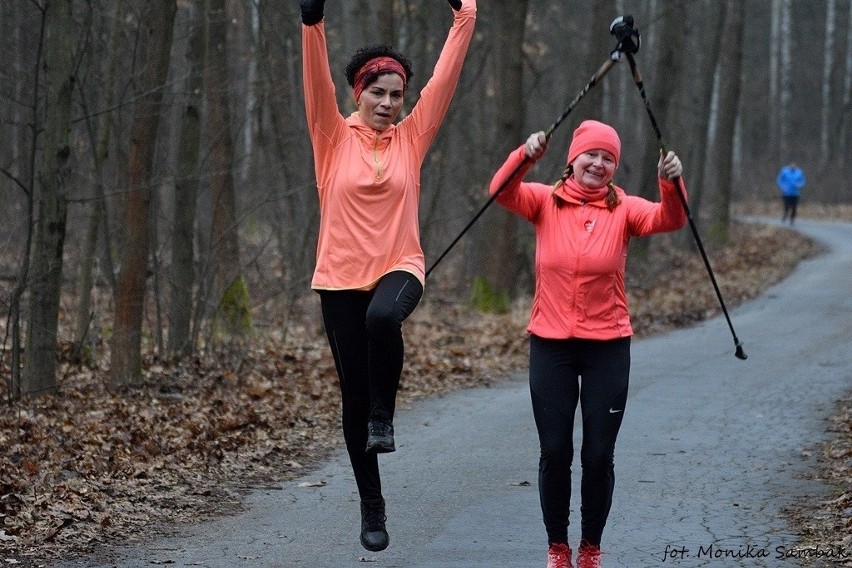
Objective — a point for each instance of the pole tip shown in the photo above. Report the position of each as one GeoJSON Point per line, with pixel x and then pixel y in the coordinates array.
{"type": "Point", "coordinates": [740, 353]}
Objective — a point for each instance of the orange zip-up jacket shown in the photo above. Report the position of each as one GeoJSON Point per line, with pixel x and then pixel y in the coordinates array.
{"type": "Point", "coordinates": [369, 181]}
{"type": "Point", "coordinates": [581, 252]}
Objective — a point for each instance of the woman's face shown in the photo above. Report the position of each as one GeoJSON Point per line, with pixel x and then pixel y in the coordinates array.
{"type": "Point", "coordinates": [594, 169]}
{"type": "Point", "coordinates": [381, 101]}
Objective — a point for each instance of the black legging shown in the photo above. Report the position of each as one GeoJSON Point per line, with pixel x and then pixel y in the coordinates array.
{"type": "Point", "coordinates": [364, 332]}
{"type": "Point", "coordinates": [556, 366]}
{"type": "Point", "coordinates": [790, 204]}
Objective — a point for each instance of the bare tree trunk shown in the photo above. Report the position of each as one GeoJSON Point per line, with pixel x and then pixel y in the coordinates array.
{"type": "Point", "coordinates": [126, 364]}
{"type": "Point", "coordinates": [668, 75]}
{"type": "Point", "coordinates": [97, 208]}
{"type": "Point", "coordinates": [785, 79]}
{"type": "Point", "coordinates": [598, 46]}
{"type": "Point", "coordinates": [619, 85]}
{"type": "Point", "coordinates": [26, 181]}
{"type": "Point", "coordinates": [293, 194]}
{"type": "Point", "coordinates": [827, 66]}
{"type": "Point", "coordinates": [844, 148]}
{"type": "Point", "coordinates": [500, 259]}
{"type": "Point", "coordinates": [186, 192]}
{"type": "Point", "coordinates": [697, 117]}
{"type": "Point", "coordinates": [722, 176]}
{"type": "Point", "coordinates": [774, 75]}
{"type": "Point", "coordinates": [9, 27]}
{"type": "Point", "coordinates": [387, 21]}
{"type": "Point", "coordinates": [224, 237]}
{"type": "Point", "coordinates": [249, 130]}
{"type": "Point", "coordinates": [39, 376]}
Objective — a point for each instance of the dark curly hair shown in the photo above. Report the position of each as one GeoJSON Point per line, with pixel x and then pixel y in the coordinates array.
{"type": "Point", "coordinates": [365, 54]}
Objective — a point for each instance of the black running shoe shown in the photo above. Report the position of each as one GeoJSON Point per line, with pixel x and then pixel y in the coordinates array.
{"type": "Point", "coordinates": [380, 436]}
{"type": "Point", "coordinates": [374, 535]}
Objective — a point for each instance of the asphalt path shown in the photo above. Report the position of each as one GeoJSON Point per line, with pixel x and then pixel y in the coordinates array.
{"type": "Point", "coordinates": [711, 451]}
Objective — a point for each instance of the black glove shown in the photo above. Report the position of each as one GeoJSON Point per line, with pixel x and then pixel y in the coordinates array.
{"type": "Point", "coordinates": [311, 11]}
{"type": "Point", "coordinates": [456, 4]}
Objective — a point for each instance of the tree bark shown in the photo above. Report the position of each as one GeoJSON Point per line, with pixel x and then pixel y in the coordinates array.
{"type": "Point", "coordinates": [98, 221]}
{"type": "Point", "coordinates": [39, 376]}
{"type": "Point", "coordinates": [598, 48]}
{"type": "Point", "coordinates": [224, 238]}
{"type": "Point", "coordinates": [668, 74]}
{"type": "Point", "coordinates": [500, 259]}
{"type": "Point", "coordinates": [785, 79]}
{"type": "Point", "coordinates": [730, 64]}
{"type": "Point", "coordinates": [126, 364]}
{"type": "Point", "coordinates": [774, 74]}
{"type": "Point", "coordinates": [843, 152]}
{"type": "Point", "coordinates": [25, 179]}
{"type": "Point", "coordinates": [386, 21]}
{"type": "Point", "coordinates": [827, 66]}
{"type": "Point", "coordinates": [696, 125]}
{"type": "Point", "coordinates": [182, 281]}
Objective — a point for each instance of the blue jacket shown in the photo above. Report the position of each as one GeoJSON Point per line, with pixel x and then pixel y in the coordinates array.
{"type": "Point", "coordinates": [790, 181]}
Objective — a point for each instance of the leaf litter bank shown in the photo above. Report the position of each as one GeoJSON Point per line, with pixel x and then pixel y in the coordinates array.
{"type": "Point", "coordinates": [88, 468]}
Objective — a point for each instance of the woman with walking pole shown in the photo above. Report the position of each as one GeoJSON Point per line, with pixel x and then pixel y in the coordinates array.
{"type": "Point", "coordinates": [580, 325]}
{"type": "Point", "coordinates": [370, 268]}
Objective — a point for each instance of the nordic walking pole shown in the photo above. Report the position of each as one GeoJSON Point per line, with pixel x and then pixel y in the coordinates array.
{"type": "Point", "coordinates": [614, 57]}
{"type": "Point", "coordinates": [637, 78]}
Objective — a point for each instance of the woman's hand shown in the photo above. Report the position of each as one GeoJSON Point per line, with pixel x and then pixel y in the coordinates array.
{"type": "Point", "coordinates": [669, 166]}
{"type": "Point", "coordinates": [312, 11]}
{"type": "Point", "coordinates": [535, 146]}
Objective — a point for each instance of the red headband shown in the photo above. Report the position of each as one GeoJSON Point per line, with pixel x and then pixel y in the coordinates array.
{"type": "Point", "coordinates": [372, 69]}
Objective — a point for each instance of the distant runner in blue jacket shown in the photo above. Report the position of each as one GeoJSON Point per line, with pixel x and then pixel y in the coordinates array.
{"type": "Point", "coordinates": [791, 180]}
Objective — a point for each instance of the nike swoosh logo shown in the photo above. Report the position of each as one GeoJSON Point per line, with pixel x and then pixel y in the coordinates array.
{"type": "Point", "coordinates": [613, 411]}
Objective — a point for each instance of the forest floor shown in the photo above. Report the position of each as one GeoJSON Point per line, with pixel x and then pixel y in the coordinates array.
{"type": "Point", "coordinates": [88, 467]}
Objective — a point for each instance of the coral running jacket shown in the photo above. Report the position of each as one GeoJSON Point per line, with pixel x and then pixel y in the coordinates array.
{"type": "Point", "coordinates": [581, 252]}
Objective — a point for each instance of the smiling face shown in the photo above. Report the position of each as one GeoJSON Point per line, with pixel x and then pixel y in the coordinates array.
{"type": "Point", "coordinates": [381, 101]}
{"type": "Point", "coordinates": [594, 169]}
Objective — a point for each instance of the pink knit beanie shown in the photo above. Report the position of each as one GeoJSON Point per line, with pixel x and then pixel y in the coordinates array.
{"type": "Point", "coordinates": [594, 135]}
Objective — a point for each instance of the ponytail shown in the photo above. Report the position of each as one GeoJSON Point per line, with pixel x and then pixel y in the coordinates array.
{"type": "Point", "coordinates": [612, 199]}
{"type": "Point", "coordinates": [566, 173]}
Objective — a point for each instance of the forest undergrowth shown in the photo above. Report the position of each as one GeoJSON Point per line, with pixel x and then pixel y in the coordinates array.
{"type": "Point", "coordinates": [87, 468]}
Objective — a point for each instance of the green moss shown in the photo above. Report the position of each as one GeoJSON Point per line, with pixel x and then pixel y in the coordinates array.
{"type": "Point", "coordinates": [486, 299]}
{"type": "Point", "coordinates": [233, 315]}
